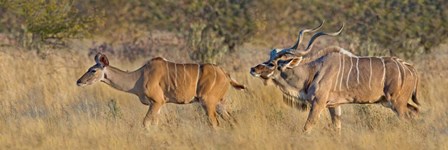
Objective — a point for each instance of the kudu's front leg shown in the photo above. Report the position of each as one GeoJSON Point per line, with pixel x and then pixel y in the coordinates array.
{"type": "Point", "coordinates": [335, 113]}
{"type": "Point", "coordinates": [153, 111]}
{"type": "Point", "coordinates": [318, 104]}
{"type": "Point", "coordinates": [152, 115]}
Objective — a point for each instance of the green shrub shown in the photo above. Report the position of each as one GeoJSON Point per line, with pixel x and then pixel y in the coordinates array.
{"type": "Point", "coordinates": [396, 27]}
{"type": "Point", "coordinates": [213, 27]}
{"type": "Point", "coordinates": [400, 27]}
{"type": "Point", "coordinates": [222, 25]}
{"type": "Point", "coordinates": [38, 21]}
{"type": "Point", "coordinates": [229, 23]}
{"type": "Point", "coordinates": [207, 46]}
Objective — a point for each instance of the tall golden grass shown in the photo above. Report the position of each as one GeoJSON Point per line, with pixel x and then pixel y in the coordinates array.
{"type": "Point", "coordinates": [41, 107]}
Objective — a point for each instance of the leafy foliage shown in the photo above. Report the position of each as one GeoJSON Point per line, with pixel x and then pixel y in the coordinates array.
{"type": "Point", "coordinates": [40, 20]}
{"type": "Point", "coordinates": [207, 44]}
{"type": "Point", "coordinates": [215, 27]}
{"type": "Point", "coordinates": [404, 28]}
{"type": "Point", "coordinates": [222, 25]}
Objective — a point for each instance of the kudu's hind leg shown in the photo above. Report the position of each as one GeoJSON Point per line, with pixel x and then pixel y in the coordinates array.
{"type": "Point", "coordinates": [400, 107]}
{"type": "Point", "coordinates": [210, 108]}
{"type": "Point", "coordinates": [404, 109]}
{"type": "Point", "coordinates": [413, 110]}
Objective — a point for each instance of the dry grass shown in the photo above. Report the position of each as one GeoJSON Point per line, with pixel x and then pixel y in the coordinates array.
{"type": "Point", "coordinates": [41, 107]}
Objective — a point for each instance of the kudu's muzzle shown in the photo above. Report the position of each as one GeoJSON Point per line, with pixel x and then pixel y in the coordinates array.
{"type": "Point", "coordinates": [79, 83]}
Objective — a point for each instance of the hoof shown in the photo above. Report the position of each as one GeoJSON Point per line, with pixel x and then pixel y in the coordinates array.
{"type": "Point", "coordinates": [306, 131]}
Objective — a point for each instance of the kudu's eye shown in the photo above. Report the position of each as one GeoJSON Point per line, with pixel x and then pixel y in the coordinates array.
{"type": "Point", "coordinates": [93, 71]}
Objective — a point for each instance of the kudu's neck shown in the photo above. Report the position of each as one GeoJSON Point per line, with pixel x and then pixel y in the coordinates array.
{"type": "Point", "coordinates": [296, 79]}
{"type": "Point", "coordinates": [122, 80]}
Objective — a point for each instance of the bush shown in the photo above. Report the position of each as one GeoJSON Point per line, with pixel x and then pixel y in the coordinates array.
{"type": "Point", "coordinates": [213, 28]}
{"type": "Point", "coordinates": [39, 21]}
{"type": "Point", "coordinates": [228, 23]}
{"type": "Point", "coordinates": [403, 28]}
{"type": "Point", "coordinates": [207, 46]}
{"type": "Point", "coordinates": [218, 27]}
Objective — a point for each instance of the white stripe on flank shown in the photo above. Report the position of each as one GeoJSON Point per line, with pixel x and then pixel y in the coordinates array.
{"type": "Point", "coordinates": [175, 75]}
{"type": "Point", "coordinates": [407, 68]}
{"type": "Point", "coordinates": [399, 71]}
{"type": "Point", "coordinates": [169, 77]}
{"type": "Point", "coordinates": [384, 71]}
{"type": "Point", "coordinates": [406, 63]}
{"type": "Point", "coordinates": [370, 77]}
{"type": "Point", "coordinates": [342, 73]}
{"type": "Point", "coordinates": [404, 70]}
{"type": "Point", "coordinates": [214, 77]}
{"type": "Point", "coordinates": [339, 70]}
{"type": "Point", "coordinates": [349, 71]}
{"type": "Point", "coordinates": [411, 72]}
{"type": "Point", "coordinates": [185, 73]}
{"type": "Point", "coordinates": [415, 80]}
{"type": "Point", "coordinates": [403, 67]}
{"type": "Point", "coordinates": [357, 69]}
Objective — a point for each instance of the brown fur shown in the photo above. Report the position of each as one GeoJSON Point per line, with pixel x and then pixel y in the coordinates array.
{"type": "Point", "coordinates": [160, 81]}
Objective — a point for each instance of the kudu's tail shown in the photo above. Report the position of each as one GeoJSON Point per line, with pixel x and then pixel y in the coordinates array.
{"type": "Point", "coordinates": [235, 84]}
{"type": "Point", "coordinates": [414, 109]}
{"type": "Point", "coordinates": [414, 95]}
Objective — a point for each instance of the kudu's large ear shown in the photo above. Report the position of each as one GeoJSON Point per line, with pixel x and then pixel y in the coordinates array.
{"type": "Point", "coordinates": [101, 59]}
{"type": "Point", "coordinates": [291, 63]}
